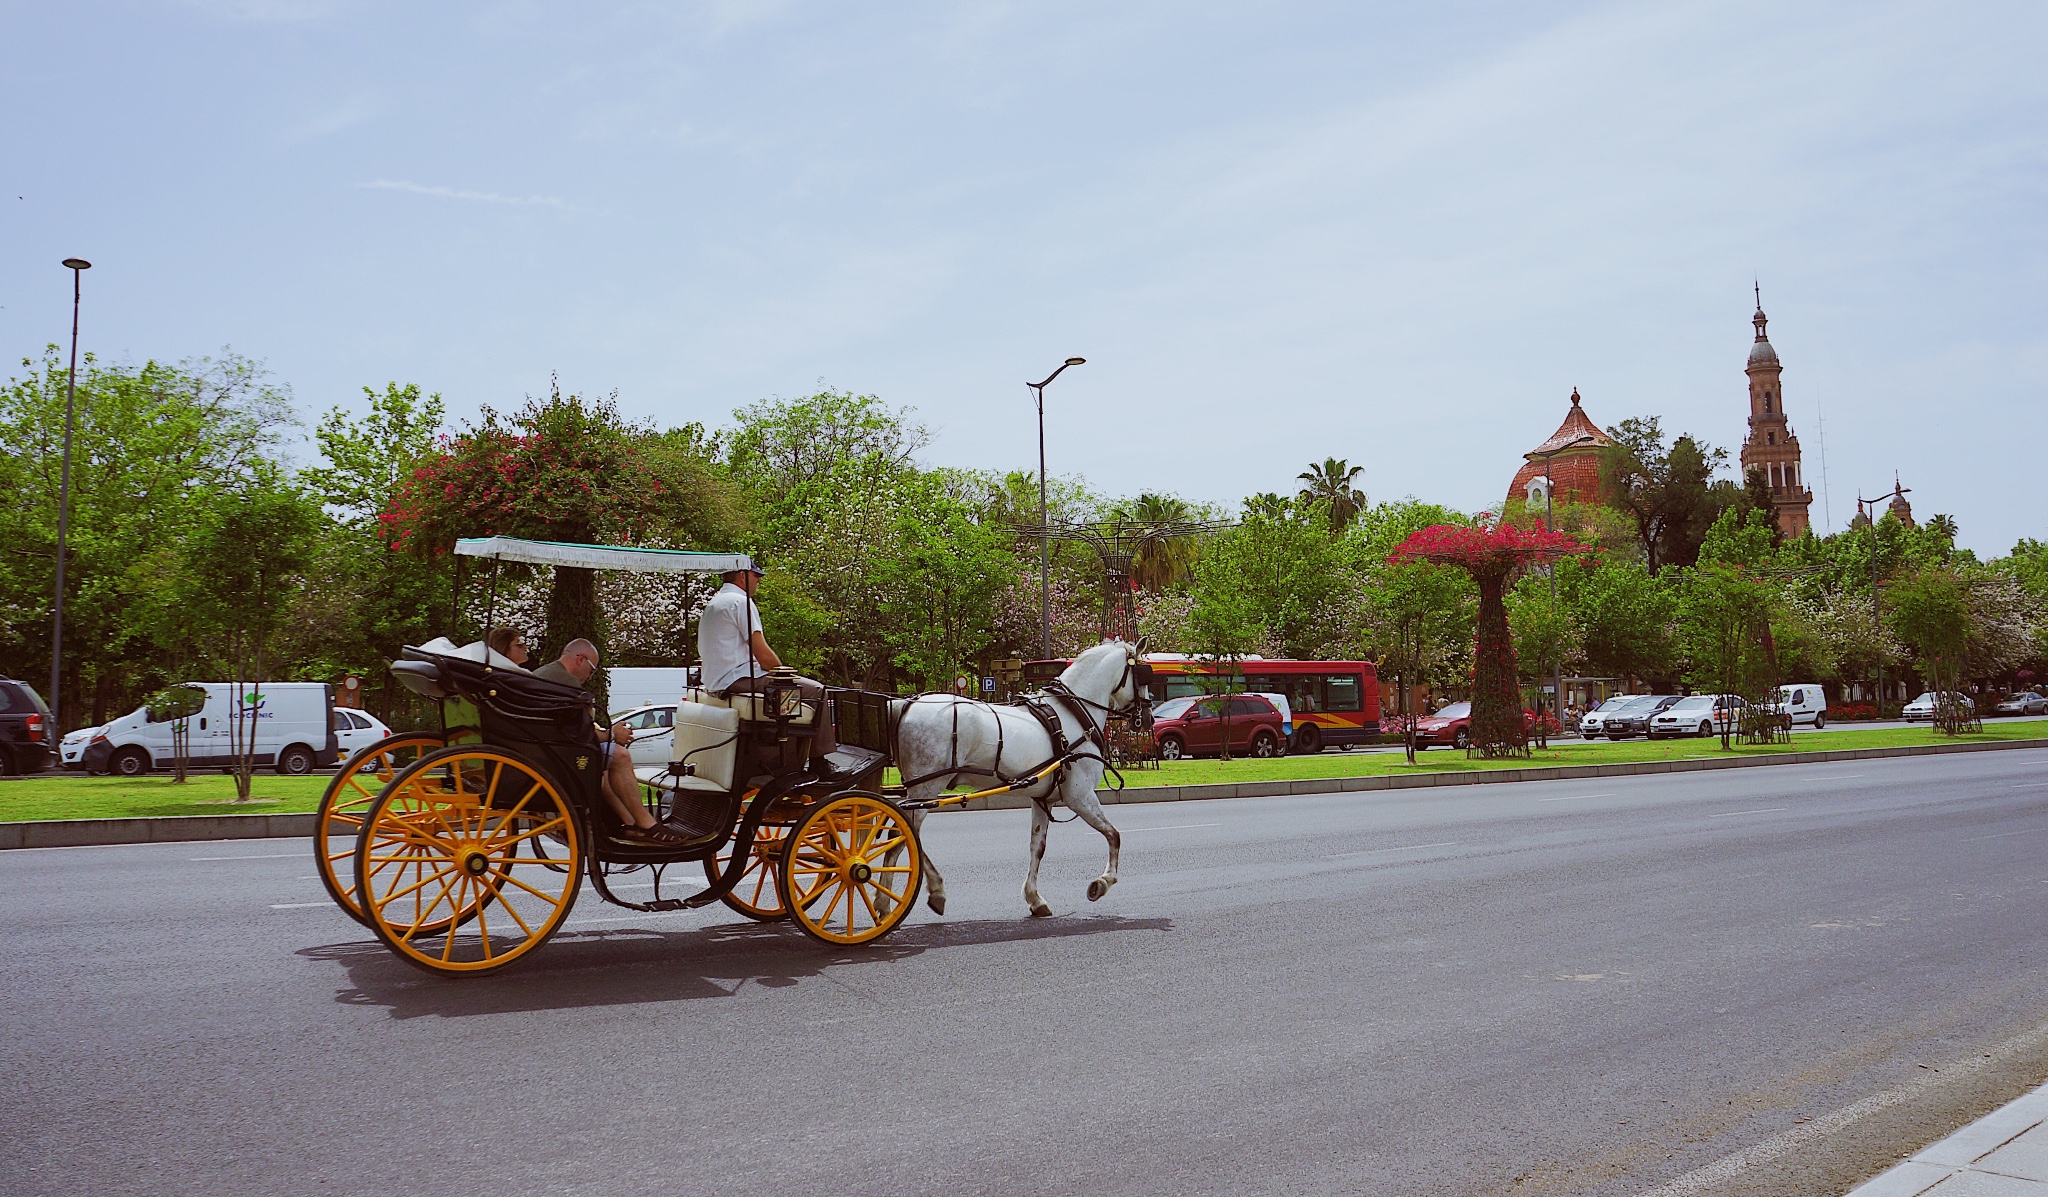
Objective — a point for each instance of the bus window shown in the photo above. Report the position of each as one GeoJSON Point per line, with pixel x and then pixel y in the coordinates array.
{"type": "Point", "coordinates": [1182, 686]}
{"type": "Point", "coordinates": [1304, 692]}
{"type": "Point", "coordinates": [1344, 691]}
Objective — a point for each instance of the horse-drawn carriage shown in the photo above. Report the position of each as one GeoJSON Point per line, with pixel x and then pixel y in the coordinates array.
{"type": "Point", "coordinates": [465, 849]}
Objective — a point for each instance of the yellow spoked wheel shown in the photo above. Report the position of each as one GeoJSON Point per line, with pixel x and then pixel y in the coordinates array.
{"type": "Point", "coordinates": [851, 870]}
{"type": "Point", "coordinates": [757, 894]}
{"type": "Point", "coordinates": [439, 869]}
{"type": "Point", "coordinates": [363, 776]}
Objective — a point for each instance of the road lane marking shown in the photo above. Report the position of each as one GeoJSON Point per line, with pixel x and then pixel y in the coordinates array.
{"type": "Point", "coordinates": [2031, 785]}
{"type": "Point", "coordinates": [297, 905]}
{"type": "Point", "coordinates": [277, 856]}
{"type": "Point", "coordinates": [2001, 835]}
{"type": "Point", "coordinates": [1769, 810]}
{"type": "Point", "coordinates": [1171, 827]}
{"type": "Point", "coordinates": [1575, 797]}
{"type": "Point", "coordinates": [1831, 776]}
{"type": "Point", "coordinates": [1402, 848]}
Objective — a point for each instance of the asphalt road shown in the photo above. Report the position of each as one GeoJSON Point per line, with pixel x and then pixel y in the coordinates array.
{"type": "Point", "coordinates": [1596, 986]}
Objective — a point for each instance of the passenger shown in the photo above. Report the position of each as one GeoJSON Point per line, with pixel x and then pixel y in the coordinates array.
{"type": "Point", "coordinates": [621, 789]}
{"type": "Point", "coordinates": [734, 651]}
{"type": "Point", "coordinates": [509, 643]}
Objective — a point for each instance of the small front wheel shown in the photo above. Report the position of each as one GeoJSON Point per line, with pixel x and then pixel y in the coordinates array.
{"type": "Point", "coordinates": [296, 761]}
{"type": "Point", "coordinates": [851, 870]}
{"type": "Point", "coordinates": [1462, 740]}
{"type": "Point", "coordinates": [1706, 728]}
{"type": "Point", "coordinates": [1820, 720]}
{"type": "Point", "coordinates": [129, 762]}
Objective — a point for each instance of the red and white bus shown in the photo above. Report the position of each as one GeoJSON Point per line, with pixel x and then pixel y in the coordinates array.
{"type": "Point", "coordinates": [1334, 702]}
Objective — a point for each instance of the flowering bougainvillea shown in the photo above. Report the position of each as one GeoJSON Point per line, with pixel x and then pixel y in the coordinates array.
{"type": "Point", "coordinates": [1494, 555]}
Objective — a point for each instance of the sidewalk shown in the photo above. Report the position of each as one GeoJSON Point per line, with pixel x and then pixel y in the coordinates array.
{"type": "Point", "coordinates": [2003, 1154]}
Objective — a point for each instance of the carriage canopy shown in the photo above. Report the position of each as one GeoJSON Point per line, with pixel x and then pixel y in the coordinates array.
{"type": "Point", "coordinates": [602, 556]}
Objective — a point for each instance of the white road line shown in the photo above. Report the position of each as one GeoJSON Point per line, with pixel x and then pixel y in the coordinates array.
{"type": "Point", "coordinates": [1831, 776]}
{"type": "Point", "coordinates": [298, 905]}
{"type": "Point", "coordinates": [1575, 797]}
{"type": "Point", "coordinates": [276, 856]}
{"type": "Point", "coordinates": [2001, 835]}
{"type": "Point", "coordinates": [1765, 811]}
{"type": "Point", "coordinates": [2031, 785]}
{"type": "Point", "coordinates": [1402, 848]}
{"type": "Point", "coordinates": [1171, 827]}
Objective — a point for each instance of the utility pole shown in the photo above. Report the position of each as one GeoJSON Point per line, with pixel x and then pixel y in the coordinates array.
{"type": "Point", "coordinates": [1557, 670]}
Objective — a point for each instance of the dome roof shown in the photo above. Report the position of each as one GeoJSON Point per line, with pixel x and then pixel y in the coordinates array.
{"type": "Point", "coordinates": [1761, 354]}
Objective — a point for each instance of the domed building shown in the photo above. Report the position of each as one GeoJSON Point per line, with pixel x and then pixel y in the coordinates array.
{"type": "Point", "coordinates": [1573, 454]}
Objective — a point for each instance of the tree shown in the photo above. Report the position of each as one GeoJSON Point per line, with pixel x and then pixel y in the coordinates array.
{"type": "Point", "coordinates": [1930, 610]}
{"type": "Point", "coordinates": [1724, 617]}
{"type": "Point", "coordinates": [1225, 626]}
{"type": "Point", "coordinates": [1494, 556]}
{"type": "Point", "coordinates": [243, 557]}
{"type": "Point", "coordinates": [1164, 557]}
{"type": "Point", "coordinates": [1333, 483]}
{"type": "Point", "coordinates": [1668, 493]}
{"type": "Point", "coordinates": [1419, 615]}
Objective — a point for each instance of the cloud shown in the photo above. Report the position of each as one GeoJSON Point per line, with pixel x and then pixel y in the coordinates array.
{"type": "Point", "coordinates": [482, 197]}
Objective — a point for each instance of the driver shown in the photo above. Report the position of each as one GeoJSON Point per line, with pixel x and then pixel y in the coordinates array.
{"type": "Point", "coordinates": [735, 651]}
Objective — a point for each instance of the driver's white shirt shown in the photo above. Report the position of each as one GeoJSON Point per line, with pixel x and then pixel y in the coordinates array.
{"type": "Point", "coordinates": [724, 636]}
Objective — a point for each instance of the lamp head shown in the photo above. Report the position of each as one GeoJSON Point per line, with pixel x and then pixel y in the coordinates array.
{"type": "Point", "coordinates": [77, 264]}
{"type": "Point", "coordinates": [1077, 361]}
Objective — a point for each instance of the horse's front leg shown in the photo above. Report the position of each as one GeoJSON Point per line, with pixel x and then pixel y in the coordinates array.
{"type": "Point", "coordinates": [1040, 821]}
{"type": "Point", "coordinates": [1080, 798]}
{"type": "Point", "coordinates": [935, 887]}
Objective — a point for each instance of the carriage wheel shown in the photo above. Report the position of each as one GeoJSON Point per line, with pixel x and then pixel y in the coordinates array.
{"type": "Point", "coordinates": [363, 776]}
{"type": "Point", "coordinates": [851, 870]}
{"type": "Point", "coordinates": [442, 841]}
{"type": "Point", "coordinates": [757, 894]}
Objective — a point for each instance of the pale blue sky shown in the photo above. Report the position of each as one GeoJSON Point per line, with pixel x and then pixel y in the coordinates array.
{"type": "Point", "coordinates": [1400, 234]}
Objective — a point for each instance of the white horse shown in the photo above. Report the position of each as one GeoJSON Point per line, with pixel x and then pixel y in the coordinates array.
{"type": "Point", "coordinates": [941, 739]}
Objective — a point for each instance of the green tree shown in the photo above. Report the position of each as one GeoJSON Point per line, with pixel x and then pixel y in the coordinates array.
{"type": "Point", "coordinates": [1668, 492]}
{"type": "Point", "coordinates": [1333, 483]}
{"type": "Point", "coordinates": [1724, 622]}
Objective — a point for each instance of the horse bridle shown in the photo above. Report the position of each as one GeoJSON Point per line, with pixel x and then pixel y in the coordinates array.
{"type": "Point", "coordinates": [1138, 673]}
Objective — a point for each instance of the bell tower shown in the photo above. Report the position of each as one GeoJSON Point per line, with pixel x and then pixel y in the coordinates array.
{"type": "Point", "coordinates": [1770, 445]}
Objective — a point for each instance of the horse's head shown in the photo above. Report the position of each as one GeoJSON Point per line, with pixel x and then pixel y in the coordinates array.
{"type": "Point", "coordinates": [1114, 676]}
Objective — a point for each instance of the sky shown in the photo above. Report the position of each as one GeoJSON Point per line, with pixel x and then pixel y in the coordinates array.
{"type": "Point", "coordinates": [1397, 234]}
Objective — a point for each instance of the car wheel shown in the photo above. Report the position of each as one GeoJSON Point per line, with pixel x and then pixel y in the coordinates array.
{"type": "Point", "coordinates": [1820, 720]}
{"type": "Point", "coordinates": [1308, 739]}
{"type": "Point", "coordinates": [1265, 744]}
{"type": "Point", "coordinates": [1172, 749]}
{"type": "Point", "coordinates": [6, 763]}
{"type": "Point", "coordinates": [129, 762]}
{"type": "Point", "coordinates": [296, 761]}
{"type": "Point", "coordinates": [1462, 740]}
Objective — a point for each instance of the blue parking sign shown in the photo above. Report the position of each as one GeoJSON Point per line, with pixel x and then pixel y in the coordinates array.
{"type": "Point", "coordinates": [988, 685]}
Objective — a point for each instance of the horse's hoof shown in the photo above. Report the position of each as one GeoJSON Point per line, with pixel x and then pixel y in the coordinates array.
{"type": "Point", "coordinates": [1096, 889]}
{"type": "Point", "coordinates": [937, 902]}
{"type": "Point", "coordinates": [1041, 911]}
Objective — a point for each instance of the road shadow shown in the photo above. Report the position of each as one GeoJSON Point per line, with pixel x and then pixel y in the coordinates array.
{"type": "Point", "coordinates": [630, 966]}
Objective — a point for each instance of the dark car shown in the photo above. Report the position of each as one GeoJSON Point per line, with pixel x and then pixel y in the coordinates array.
{"type": "Point", "coordinates": [1634, 720]}
{"type": "Point", "coordinates": [1185, 727]}
{"type": "Point", "coordinates": [25, 729]}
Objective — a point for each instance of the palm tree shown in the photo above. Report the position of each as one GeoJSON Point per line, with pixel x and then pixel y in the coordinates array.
{"type": "Point", "coordinates": [1331, 482]}
{"type": "Point", "coordinates": [1161, 560]}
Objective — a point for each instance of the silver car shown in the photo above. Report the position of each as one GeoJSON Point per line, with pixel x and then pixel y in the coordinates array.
{"type": "Point", "coordinates": [2026, 702]}
{"type": "Point", "coordinates": [1922, 708]}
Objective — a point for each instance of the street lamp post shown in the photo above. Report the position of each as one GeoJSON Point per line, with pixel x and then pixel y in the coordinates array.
{"type": "Point", "coordinates": [78, 267]}
{"type": "Point", "coordinates": [1045, 529]}
{"type": "Point", "coordinates": [1557, 667]}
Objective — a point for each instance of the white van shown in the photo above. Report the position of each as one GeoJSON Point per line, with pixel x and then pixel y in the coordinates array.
{"type": "Point", "coordinates": [1805, 703]}
{"type": "Point", "coordinates": [294, 730]}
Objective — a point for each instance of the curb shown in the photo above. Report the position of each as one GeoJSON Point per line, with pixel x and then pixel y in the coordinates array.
{"type": "Point", "coordinates": [75, 833]}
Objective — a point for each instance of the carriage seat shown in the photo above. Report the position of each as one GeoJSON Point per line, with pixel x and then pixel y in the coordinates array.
{"type": "Point", "coordinates": [753, 708]}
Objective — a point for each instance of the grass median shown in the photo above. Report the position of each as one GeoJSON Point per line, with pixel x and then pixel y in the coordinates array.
{"type": "Point", "coordinates": [54, 796]}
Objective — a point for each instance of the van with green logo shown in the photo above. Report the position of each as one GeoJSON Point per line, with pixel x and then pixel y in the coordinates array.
{"type": "Point", "coordinates": [287, 726]}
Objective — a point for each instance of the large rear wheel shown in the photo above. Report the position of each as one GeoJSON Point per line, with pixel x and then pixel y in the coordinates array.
{"type": "Point", "coordinates": [340, 815]}
{"type": "Point", "coordinates": [851, 870]}
{"type": "Point", "coordinates": [757, 894]}
{"type": "Point", "coordinates": [438, 864]}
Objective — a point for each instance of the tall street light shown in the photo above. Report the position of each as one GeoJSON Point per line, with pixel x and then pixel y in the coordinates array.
{"type": "Point", "coordinates": [77, 267]}
{"type": "Point", "coordinates": [1045, 528]}
{"type": "Point", "coordinates": [1557, 670]}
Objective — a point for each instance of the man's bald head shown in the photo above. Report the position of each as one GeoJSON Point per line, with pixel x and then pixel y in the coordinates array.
{"type": "Point", "coordinates": [579, 657]}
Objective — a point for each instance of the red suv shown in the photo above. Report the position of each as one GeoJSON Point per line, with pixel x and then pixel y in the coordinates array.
{"type": "Point", "coordinates": [1185, 727]}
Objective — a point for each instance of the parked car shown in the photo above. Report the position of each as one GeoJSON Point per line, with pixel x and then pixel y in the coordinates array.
{"type": "Point", "coordinates": [654, 732]}
{"type": "Point", "coordinates": [293, 729]}
{"type": "Point", "coordinates": [1452, 726]}
{"type": "Point", "coordinates": [1697, 715]}
{"type": "Point", "coordinates": [1922, 708]}
{"type": "Point", "coordinates": [25, 728]}
{"type": "Point", "coordinates": [2026, 702]}
{"type": "Point", "coordinates": [1804, 702]}
{"type": "Point", "coordinates": [1593, 721]}
{"type": "Point", "coordinates": [355, 729]}
{"type": "Point", "coordinates": [1196, 729]}
{"type": "Point", "coordinates": [71, 749]}
{"type": "Point", "coordinates": [1634, 720]}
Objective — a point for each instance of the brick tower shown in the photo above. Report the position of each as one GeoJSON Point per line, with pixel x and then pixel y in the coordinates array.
{"type": "Point", "coordinates": [1574, 451]}
{"type": "Point", "coordinates": [1770, 445]}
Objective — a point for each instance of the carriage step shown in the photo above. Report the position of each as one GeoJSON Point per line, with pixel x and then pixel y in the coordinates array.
{"type": "Point", "coordinates": [665, 904]}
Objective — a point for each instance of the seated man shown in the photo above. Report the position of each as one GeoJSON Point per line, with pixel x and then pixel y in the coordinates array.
{"type": "Point", "coordinates": [621, 789]}
{"type": "Point", "coordinates": [735, 653]}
